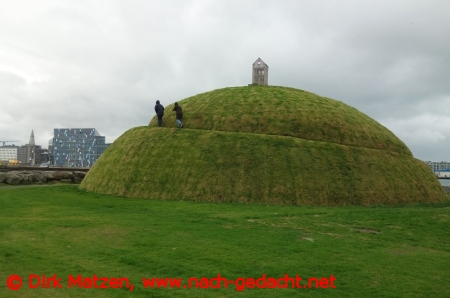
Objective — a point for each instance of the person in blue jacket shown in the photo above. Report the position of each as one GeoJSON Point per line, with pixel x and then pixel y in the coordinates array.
{"type": "Point", "coordinates": [159, 110]}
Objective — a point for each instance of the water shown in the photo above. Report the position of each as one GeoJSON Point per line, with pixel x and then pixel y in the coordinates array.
{"type": "Point", "coordinates": [445, 182]}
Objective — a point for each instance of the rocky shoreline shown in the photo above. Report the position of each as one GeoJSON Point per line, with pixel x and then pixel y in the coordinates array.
{"type": "Point", "coordinates": [41, 177]}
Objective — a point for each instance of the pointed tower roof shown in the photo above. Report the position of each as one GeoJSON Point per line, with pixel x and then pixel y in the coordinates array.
{"type": "Point", "coordinates": [260, 62]}
{"type": "Point", "coordinates": [31, 142]}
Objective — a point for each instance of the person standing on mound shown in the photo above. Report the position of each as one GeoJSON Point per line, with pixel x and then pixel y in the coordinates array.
{"type": "Point", "coordinates": [179, 114]}
{"type": "Point", "coordinates": [159, 110]}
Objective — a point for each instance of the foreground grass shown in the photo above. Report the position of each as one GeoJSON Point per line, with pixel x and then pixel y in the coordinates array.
{"type": "Point", "coordinates": [372, 252]}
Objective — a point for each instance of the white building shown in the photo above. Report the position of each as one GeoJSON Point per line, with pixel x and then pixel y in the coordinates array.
{"type": "Point", "coordinates": [437, 166]}
{"type": "Point", "coordinates": [443, 173]}
{"type": "Point", "coordinates": [8, 153]}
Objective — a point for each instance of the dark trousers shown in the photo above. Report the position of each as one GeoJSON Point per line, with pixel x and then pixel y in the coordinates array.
{"type": "Point", "coordinates": [160, 120]}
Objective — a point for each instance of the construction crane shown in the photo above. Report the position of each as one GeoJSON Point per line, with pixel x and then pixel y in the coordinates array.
{"type": "Point", "coordinates": [7, 142]}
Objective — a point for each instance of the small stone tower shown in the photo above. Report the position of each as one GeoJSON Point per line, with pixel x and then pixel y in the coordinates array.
{"type": "Point", "coordinates": [260, 73]}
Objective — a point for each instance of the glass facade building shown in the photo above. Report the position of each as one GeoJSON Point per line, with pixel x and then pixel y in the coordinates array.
{"type": "Point", "coordinates": [77, 147]}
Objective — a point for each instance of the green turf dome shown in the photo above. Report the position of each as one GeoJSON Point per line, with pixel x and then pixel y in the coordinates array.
{"type": "Point", "coordinates": [271, 145]}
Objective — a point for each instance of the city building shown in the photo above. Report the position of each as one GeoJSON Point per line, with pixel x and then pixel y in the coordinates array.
{"type": "Point", "coordinates": [29, 154]}
{"type": "Point", "coordinates": [437, 166]}
{"type": "Point", "coordinates": [443, 173]}
{"type": "Point", "coordinates": [260, 73]}
{"type": "Point", "coordinates": [50, 152]}
{"type": "Point", "coordinates": [44, 156]}
{"type": "Point", "coordinates": [8, 153]}
{"type": "Point", "coordinates": [77, 147]}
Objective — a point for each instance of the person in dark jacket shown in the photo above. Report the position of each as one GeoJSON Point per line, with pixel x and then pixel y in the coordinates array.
{"type": "Point", "coordinates": [159, 110]}
{"type": "Point", "coordinates": [179, 114]}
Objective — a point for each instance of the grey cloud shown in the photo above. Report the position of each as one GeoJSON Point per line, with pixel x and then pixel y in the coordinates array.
{"type": "Point", "coordinates": [103, 64]}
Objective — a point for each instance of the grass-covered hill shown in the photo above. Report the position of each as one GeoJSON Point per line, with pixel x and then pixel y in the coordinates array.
{"type": "Point", "coordinates": [285, 112]}
{"type": "Point", "coordinates": [270, 145]}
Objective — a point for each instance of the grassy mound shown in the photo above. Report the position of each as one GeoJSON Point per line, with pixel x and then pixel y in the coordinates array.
{"type": "Point", "coordinates": [285, 112]}
{"type": "Point", "coordinates": [271, 145]}
{"type": "Point", "coordinates": [202, 165]}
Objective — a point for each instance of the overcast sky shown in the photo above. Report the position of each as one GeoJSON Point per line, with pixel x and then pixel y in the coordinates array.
{"type": "Point", "coordinates": [103, 64]}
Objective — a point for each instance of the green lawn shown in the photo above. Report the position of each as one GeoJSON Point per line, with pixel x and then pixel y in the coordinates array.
{"type": "Point", "coordinates": [370, 251]}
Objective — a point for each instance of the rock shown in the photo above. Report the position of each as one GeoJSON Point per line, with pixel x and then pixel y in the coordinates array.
{"type": "Point", "coordinates": [32, 178]}
{"type": "Point", "coordinates": [59, 175]}
{"type": "Point", "coordinates": [77, 180]}
{"type": "Point", "coordinates": [13, 178]}
{"type": "Point", "coordinates": [27, 176]}
{"type": "Point", "coordinates": [39, 176]}
{"type": "Point", "coordinates": [79, 174]}
{"type": "Point", "coordinates": [446, 188]}
{"type": "Point", "coordinates": [2, 177]}
{"type": "Point", "coordinates": [49, 176]}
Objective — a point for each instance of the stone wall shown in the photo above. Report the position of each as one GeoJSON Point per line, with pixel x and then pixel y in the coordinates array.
{"type": "Point", "coordinates": [40, 177]}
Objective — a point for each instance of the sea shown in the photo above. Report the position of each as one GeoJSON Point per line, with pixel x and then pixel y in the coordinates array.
{"type": "Point", "coordinates": [445, 182]}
